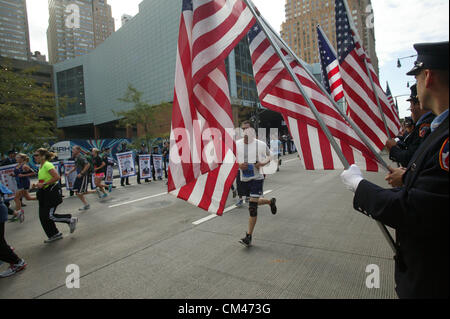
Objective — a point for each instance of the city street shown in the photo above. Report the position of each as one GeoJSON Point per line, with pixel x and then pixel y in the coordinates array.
{"type": "Point", "coordinates": [143, 243]}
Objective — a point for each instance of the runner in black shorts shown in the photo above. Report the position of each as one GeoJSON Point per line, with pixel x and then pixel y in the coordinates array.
{"type": "Point", "coordinates": [252, 155]}
{"type": "Point", "coordinates": [82, 181]}
{"type": "Point", "coordinates": [99, 173]}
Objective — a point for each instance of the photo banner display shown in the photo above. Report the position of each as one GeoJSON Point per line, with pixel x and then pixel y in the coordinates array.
{"type": "Point", "coordinates": [145, 166]}
{"type": "Point", "coordinates": [69, 178]}
{"type": "Point", "coordinates": [158, 165]}
{"type": "Point", "coordinates": [7, 180]}
{"type": "Point", "coordinates": [126, 164]}
{"type": "Point", "coordinates": [109, 175]}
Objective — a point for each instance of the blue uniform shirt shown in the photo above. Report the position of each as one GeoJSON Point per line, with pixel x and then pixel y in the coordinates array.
{"type": "Point", "coordinates": [438, 120]}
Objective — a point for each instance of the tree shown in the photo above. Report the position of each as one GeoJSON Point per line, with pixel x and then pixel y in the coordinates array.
{"type": "Point", "coordinates": [28, 110]}
{"type": "Point", "coordinates": [142, 114]}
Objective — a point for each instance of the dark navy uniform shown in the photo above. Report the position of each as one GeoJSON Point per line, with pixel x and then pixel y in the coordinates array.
{"type": "Point", "coordinates": [404, 151]}
{"type": "Point", "coordinates": [419, 211]}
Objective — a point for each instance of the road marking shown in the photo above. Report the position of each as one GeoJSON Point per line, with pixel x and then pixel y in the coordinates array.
{"type": "Point", "coordinates": [291, 160]}
{"type": "Point", "coordinates": [205, 219]}
{"type": "Point", "coordinates": [138, 200]}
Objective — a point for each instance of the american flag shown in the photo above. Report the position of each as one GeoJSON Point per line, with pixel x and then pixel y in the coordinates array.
{"type": "Point", "coordinates": [278, 92]}
{"type": "Point", "coordinates": [330, 67]}
{"type": "Point", "coordinates": [391, 100]}
{"type": "Point", "coordinates": [202, 153]}
{"type": "Point", "coordinates": [361, 99]}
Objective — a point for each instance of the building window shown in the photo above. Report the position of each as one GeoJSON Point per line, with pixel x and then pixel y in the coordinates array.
{"type": "Point", "coordinates": [70, 84]}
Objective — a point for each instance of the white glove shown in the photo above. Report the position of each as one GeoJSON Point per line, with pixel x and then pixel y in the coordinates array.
{"type": "Point", "coordinates": [352, 177]}
{"type": "Point", "coordinates": [397, 139]}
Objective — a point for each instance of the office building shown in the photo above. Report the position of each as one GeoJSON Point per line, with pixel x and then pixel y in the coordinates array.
{"type": "Point", "coordinates": [14, 34]}
{"type": "Point", "coordinates": [77, 27]}
{"type": "Point", "coordinates": [303, 16]}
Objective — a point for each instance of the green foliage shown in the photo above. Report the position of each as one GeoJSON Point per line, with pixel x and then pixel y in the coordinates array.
{"type": "Point", "coordinates": [27, 110]}
{"type": "Point", "coordinates": [142, 114]}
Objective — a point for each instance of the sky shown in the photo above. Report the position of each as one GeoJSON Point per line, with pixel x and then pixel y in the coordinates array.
{"type": "Point", "coordinates": [398, 25]}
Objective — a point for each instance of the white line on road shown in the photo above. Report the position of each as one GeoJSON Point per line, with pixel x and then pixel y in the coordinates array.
{"type": "Point", "coordinates": [291, 160]}
{"type": "Point", "coordinates": [138, 200]}
{"type": "Point", "coordinates": [205, 219]}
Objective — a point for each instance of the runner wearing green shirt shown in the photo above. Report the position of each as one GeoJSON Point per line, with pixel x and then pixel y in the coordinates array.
{"type": "Point", "coordinates": [49, 197]}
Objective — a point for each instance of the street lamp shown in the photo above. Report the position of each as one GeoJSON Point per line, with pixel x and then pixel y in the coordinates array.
{"type": "Point", "coordinates": [399, 65]}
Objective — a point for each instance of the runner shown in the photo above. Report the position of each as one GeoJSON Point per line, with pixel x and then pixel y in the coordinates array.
{"type": "Point", "coordinates": [252, 155]}
{"type": "Point", "coordinates": [49, 197]}
{"type": "Point", "coordinates": [6, 252]}
{"type": "Point", "coordinates": [99, 173]}
{"type": "Point", "coordinates": [22, 173]}
{"type": "Point", "coordinates": [82, 181]}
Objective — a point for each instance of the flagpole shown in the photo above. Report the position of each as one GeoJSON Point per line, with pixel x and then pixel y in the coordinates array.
{"type": "Point", "coordinates": [302, 90]}
{"type": "Point", "coordinates": [312, 107]}
{"type": "Point", "coordinates": [355, 127]}
{"type": "Point", "coordinates": [369, 73]}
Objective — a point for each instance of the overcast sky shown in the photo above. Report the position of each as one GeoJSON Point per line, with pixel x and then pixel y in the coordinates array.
{"type": "Point", "coordinates": [398, 25]}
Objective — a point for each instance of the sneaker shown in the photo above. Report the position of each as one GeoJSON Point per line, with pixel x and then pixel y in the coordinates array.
{"type": "Point", "coordinates": [84, 208]}
{"type": "Point", "coordinates": [73, 224]}
{"type": "Point", "coordinates": [110, 187]}
{"type": "Point", "coordinates": [104, 195]}
{"type": "Point", "coordinates": [21, 216]}
{"type": "Point", "coordinates": [240, 203]}
{"type": "Point", "coordinates": [56, 237]}
{"type": "Point", "coordinates": [13, 269]}
{"type": "Point", "coordinates": [273, 206]}
{"type": "Point", "coordinates": [13, 219]}
{"type": "Point", "coordinates": [247, 240]}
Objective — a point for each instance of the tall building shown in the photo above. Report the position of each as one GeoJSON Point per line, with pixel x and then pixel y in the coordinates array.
{"type": "Point", "coordinates": [96, 81]}
{"type": "Point", "coordinates": [14, 34]}
{"type": "Point", "coordinates": [303, 16]}
{"type": "Point", "coordinates": [125, 18]}
{"type": "Point", "coordinates": [77, 27]}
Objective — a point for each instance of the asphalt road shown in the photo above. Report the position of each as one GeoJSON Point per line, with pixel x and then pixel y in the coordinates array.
{"type": "Point", "coordinates": [143, 243]}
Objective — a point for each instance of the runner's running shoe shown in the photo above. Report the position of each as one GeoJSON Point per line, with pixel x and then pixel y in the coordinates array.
{"type": "Point", "coordinates": [73, 224]}
{"type": "Point", "coordinates": [56, 237]}
{"type": "Point", "coordinates": [247, 240]}
{"type": "Point", "coordinates": [84, 208]}
{"type": "Point", "coordinates": [21, 216]}
{"type": "Point", "coordinates": [13, 269]}
{"type": "Point", "coordinates": [273, 206]}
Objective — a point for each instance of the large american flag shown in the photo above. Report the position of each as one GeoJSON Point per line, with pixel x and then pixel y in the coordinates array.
{"type": "Point", "coordinates": [278, 92]}
{"type": "Point", "coordinates": [360, 97]}
{"type": "Point", "coordinates": [330, 67]}
{"type": "Point", "coordinates": [202, 153]}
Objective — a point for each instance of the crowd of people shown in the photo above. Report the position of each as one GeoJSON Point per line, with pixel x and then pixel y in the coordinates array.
{"type": "Point", "coordinates": [89, 166]}
{"type": "Point", "coordinates": [416, 206]}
